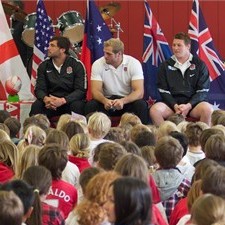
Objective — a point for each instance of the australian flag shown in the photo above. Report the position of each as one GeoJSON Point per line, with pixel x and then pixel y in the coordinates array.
{"type": "Point", "coordinates": [43, 34]}
{"type": "Point", "coordinates": [95, 33]}
{"type": "Point", "coordinates": [156, 50]}
{"type": "Point", "coordinates": [203, 46]}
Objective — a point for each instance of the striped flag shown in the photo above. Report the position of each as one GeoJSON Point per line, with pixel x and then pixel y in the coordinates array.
{"type": "Point", "coordinates": [202, 45]}
{"type": "Point", "coordinates": [95, 33]}
{"type": "Point", "coordinates": [10, 61]}
{"type": "Point", "coordinates": [156, 50]}
{"type": "Point", "coordinates": [43, 34]}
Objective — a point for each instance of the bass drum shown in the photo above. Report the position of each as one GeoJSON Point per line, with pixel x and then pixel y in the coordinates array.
{"type": "Point", "coordinates": [71, 25]}
{"type": "Point", "coordinates": [28, 34]}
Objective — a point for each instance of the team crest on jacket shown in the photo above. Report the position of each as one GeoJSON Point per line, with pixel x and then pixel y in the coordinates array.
{"type": "Point", "coordinates": [69, 70]}
{"type": "Point", "coordinates": [192, 67]}
{"type": "Point", "coordinates": [125, 69]}
{"type": "Point", "coordinates": [172, 68]}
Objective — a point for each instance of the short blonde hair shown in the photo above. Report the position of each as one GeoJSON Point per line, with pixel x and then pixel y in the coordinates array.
{"type": "Point", "coordinates": [116, 44]}
{"type": "Point", "coordinates": [99, 125]}
{"type": "Point", "coordinates": [165, 128]}
{"type": "Point", "coordinates": [129, 118]}
{"type": "Point", "coordinates": [63, 119]}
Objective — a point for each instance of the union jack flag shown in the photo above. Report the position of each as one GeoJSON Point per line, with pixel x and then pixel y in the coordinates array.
{"type": "Point", "coordinates": [43, 34]}
{"type": "Point", "coordinates": [156, 50]}
{"type": "Point", "coordinates": [202, 45]}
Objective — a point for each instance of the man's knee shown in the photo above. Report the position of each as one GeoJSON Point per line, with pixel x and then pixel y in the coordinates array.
{"type": "Point", "coordinates": [157, 108]}
{"type": "Point", "coordinates": [91, 106]}
{"type": "Point", "coordinates": [140, 108]}
{"type": "Point", "coordinates": [37, 107]}
{"type": "Point", "coordinates": [203, 108]}
{"type": "Point", "coordinates": [78, 107]}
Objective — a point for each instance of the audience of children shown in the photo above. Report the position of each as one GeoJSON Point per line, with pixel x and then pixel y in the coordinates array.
{"type": "Point", "coordinates": [147, 153]}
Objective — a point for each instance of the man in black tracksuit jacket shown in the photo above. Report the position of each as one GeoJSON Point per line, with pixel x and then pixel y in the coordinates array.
{"type": "Point", "coordinates": [183, 83]}
{"type": "Point", "coordinates": [61, 82]}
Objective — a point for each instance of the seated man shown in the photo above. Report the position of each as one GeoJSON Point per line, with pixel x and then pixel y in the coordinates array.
{"type": "Point", "coordinates": [61, 82]}
{"type": "Point", "coordinates": [183, 83]}
{"type": "Point", "coordinates": [117, 83]}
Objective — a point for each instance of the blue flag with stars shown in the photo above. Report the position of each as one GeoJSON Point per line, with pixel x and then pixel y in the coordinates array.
{"type": "Point", "coordinates": [96, 32]}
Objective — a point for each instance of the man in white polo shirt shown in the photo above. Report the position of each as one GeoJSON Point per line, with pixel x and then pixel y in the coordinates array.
{"type": "Point", "coordinates": [117, 83]}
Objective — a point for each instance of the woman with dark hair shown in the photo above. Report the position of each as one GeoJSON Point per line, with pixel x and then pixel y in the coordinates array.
{"type": "Point", "coordinates": [129, 202]}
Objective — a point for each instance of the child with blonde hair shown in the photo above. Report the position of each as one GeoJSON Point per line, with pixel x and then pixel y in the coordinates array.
{"type": "Point", "coordinates": [99, 125]}
{"type": "Point", "coordinates": [29, 157]}
{"type": "Point", "coordinates": [63, 119]}
{"type": "Point", "coordinates": [129, 118]}
{"type": "Point", "coordinates": [33, 135]}
{"type": "Point", "coordinates": [166, 128]}
{"type": "Point", "coordinates": [79, 149]}
{"type": "Point", "coordinates": [8, 160]}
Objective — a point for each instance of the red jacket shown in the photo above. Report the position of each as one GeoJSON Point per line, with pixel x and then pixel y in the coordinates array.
{"type": "Point", "coordinates": [81, 163]}
{"type": "Point", "coordinates": [6, 173]}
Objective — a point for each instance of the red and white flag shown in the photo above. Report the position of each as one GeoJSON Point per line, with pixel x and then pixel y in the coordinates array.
{"type": "Point", "coordinates": [10, 61]}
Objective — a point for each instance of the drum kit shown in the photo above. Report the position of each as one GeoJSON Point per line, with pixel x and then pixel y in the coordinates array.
{"type": "Point", "coordinates": [70, 24]}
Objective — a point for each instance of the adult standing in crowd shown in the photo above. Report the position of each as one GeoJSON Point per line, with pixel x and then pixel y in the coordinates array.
{"type": "Point", "coordinates": [117, 83]}
{"type": "Point", "coordinates": [183, 83]}
{"type": "Point", "coordinates": [61, 82]}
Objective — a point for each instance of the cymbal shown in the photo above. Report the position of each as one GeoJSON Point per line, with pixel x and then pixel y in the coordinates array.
{"type": "Point", "coordinates": [109, 10]}
{"type": "Point", "coordinates": [10, 9]}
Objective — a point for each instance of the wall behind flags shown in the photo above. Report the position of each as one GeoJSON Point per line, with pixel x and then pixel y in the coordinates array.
{"type": "Point", "coordinates": [172, 16]}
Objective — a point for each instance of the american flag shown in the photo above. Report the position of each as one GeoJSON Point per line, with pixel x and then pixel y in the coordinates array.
{"type": "Point", "coordinates": [156, 50]}
{"type": "Point", "coordinates": [96, 32]}
{"type": "Point", "coordinates": [203, 46]}
{"type": "Point", "coordinates": [43, 33]}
